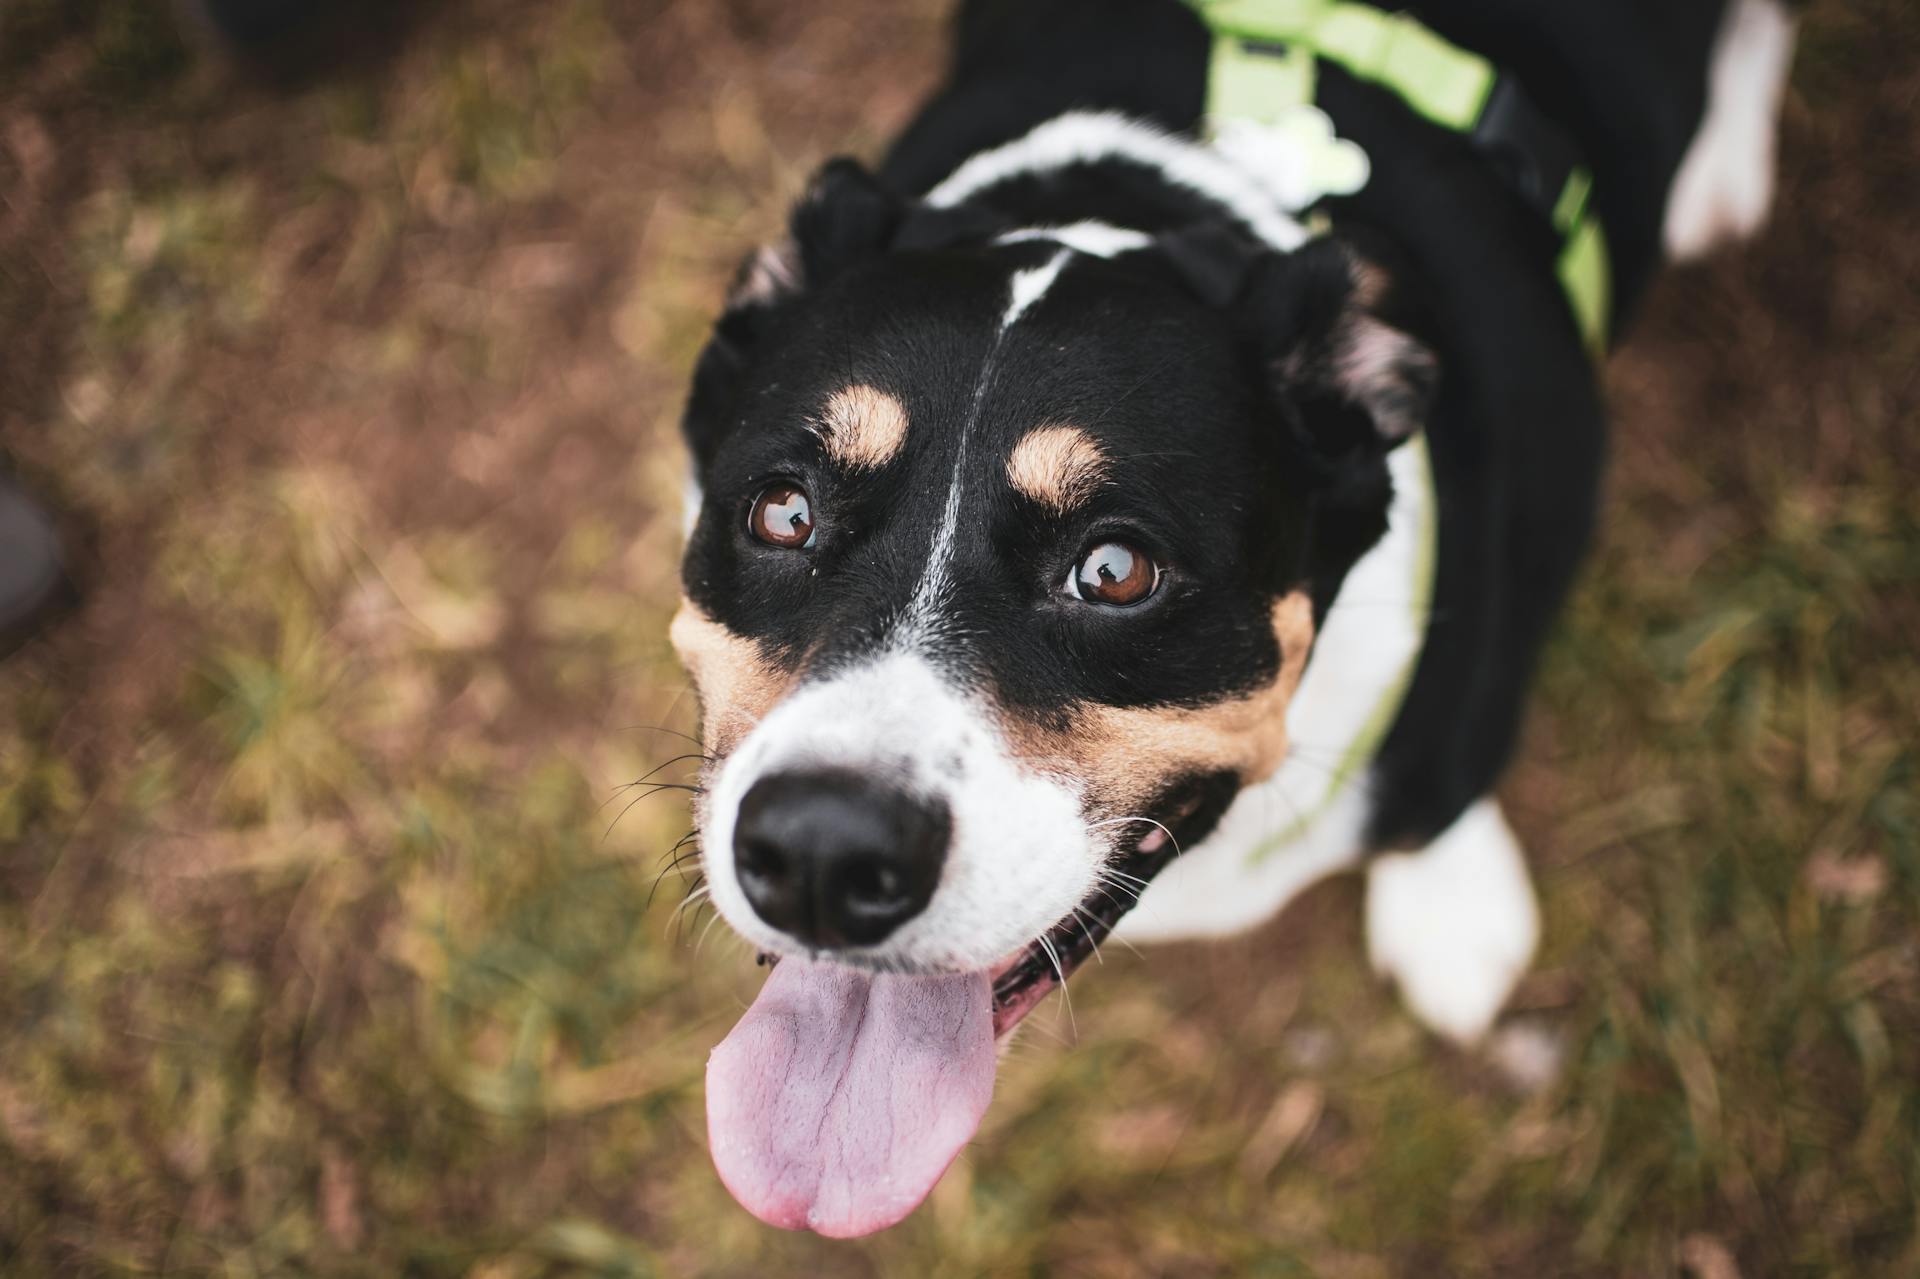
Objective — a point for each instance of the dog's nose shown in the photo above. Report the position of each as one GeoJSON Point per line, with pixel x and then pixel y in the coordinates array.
{"type": "Point", "coordinates": [835, 859]}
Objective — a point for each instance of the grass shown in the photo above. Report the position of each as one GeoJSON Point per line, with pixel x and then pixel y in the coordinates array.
{"type": "Point", "coordinates": [329, 942]}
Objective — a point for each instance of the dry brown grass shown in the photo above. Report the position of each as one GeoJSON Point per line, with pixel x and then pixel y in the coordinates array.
{"type": "Point", "coordinates": [327, 942]}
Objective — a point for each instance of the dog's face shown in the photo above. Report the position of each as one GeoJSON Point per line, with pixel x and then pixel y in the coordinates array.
{"type": "Point", "coordinates": [1004, 571]}
{"type": "Point", "coordinates": [1005, 567]}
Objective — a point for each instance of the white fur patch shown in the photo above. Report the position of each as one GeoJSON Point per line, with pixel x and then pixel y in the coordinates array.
{"type": "Point", "coordinates": [921, 621]}
{"type": "Point", "coordinates": [1021, 857]}
{"type": "Point", "coordinates": [1455, 925]}
{"type": "Point", "coordinates": [1296, 157]}
{"type": "Point", "coordinates": [1095, 239]}
{"type": "Point", "coordinates": [1212, 890]}
{"type": "Point", "coordinates": [1086, 137]}
{"type": "Point", "coordinates": [1725, 183]}
{"type": "Point", "coordinates": [691, 498]}
{"type": "Point", "coordinates": [1030, 285]}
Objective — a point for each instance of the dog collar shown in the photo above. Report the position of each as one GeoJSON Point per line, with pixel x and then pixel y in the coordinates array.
{"type": "Point", "coordinates": [1265, 55]}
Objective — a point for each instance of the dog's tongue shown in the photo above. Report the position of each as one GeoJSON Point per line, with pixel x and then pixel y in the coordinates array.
{"type": "Point", "coordinates": [841, 1097]}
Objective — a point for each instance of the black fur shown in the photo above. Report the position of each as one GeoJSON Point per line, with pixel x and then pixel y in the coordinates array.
{"type": "Point", "coordinates": [1204, 365]}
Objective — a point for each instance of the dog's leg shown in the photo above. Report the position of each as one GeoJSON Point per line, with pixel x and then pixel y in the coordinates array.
{"type": "Point", "coordinates": [1725, 183]}
{"type": "Point", "coordinates": [1454, 924]}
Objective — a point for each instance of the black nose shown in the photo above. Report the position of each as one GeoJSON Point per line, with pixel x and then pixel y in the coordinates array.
{"type": "Point", "coordinates": [835, 859]}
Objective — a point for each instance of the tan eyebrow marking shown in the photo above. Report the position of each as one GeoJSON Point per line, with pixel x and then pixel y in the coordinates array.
{"type": "Point", "coordinates": [862, 426]}
{"type": "Point", "coordinates": [1057, 466]}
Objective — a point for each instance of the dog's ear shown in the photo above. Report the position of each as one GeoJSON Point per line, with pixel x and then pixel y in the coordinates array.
{"type": "Point", "coordinates": [845, 217]}
{"type": "Point", "coordinates": [1345, 383]}
{"type": "Point", "coordinates": [1312, 318]}
{"type": "Point", "coordinates": [842, 219]}
{"type": "Point", "coordinates": [1316, 316]}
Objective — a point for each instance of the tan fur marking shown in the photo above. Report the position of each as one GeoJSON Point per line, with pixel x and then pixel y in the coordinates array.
{"type": "Point", "coordinates": [1369, 284]}
{"type": "Point", "coordinates": [863, 427]}
{"type": "Point", "coordinates": [736, 681]}
{"type": "Point", "coordinates": [1124, 755]}
{"type": "Point", "coordinates": [1057, 466]}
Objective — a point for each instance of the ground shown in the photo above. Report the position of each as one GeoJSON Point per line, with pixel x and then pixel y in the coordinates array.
{"type": "Point", "coordinates": [330, 943]}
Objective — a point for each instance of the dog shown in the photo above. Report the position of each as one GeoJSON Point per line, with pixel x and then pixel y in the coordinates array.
{"type": "Point", "coordinates": [1113, 514]}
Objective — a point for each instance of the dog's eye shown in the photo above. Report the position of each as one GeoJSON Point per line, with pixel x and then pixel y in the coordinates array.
{"type": "Point", "coordinates": [1114, 573]}
{"type": "Point", "coordinates": [782, 515]}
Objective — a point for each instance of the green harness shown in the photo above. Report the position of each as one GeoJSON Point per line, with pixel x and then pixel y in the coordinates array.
{"type": "Point", "coordinates": [1263, 69]}
{"type": "Point", "coordinates": [1265, 54]}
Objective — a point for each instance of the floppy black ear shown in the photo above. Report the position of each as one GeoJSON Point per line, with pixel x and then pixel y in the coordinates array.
{"type": "Point", "coordinates": [1312, 318]}
{"type": "Point", "coordinates": [1361, 382]}
{"type": "Point", "coordinates": [845, 217]}
{"type": "Point", "coordinates": [1346, 384]}
{"type": "Point", "coordinates": [1356, 384]}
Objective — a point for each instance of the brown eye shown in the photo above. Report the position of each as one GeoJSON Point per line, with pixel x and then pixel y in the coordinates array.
{"type": "Point", "coordinates": [782, 516]}
{"type": "Point", "coordinates": [1114, 573]}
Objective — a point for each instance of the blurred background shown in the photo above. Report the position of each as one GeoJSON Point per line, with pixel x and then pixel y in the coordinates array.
{"type": "Point", "coordinates": [334, 940]}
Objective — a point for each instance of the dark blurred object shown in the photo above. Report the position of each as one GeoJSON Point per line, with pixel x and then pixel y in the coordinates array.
{"type": "Point", "coordinates": [293, 41]}
{"type": "Point", "coordinates": [256, 24]}
{"type": "Point", "coordinates": [33, 579]}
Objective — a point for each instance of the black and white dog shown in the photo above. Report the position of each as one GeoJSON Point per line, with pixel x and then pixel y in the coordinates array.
{"type": "Point", "coordinates": [1070, 527]}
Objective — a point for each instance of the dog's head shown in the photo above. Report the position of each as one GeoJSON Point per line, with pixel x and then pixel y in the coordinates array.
{"type": "Point", "coordinates": [1006, 563]}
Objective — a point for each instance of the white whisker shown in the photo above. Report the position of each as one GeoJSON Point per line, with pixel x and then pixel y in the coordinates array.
{"type": "Point", "coordinates": [1086, 926]}
{"type": "Point", "coordinates": [693, 898]}
{"type": "Point", "coordinates": [704, 931]}
{"type": "Point", "coordinates": [1066, 997]}
{"type": "Point", "coordinates": [1114, 821]}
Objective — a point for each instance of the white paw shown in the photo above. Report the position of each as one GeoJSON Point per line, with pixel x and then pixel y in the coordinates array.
{"type": "Point", "coordinates": [1716, 201]}
{"type": "Point", "coordinates": [1725, 184]}
{"type": "Point", "coordinates": [1454, 925]}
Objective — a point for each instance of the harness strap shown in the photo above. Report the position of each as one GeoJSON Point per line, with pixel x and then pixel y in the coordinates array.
{"type": "Point", "coordinates": [1265, 54]}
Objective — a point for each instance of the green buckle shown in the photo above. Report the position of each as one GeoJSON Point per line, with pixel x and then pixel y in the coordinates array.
{"type": "Point", "coordinates": [1257, 83]}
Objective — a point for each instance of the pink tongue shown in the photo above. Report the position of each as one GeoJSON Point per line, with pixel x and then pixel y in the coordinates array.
{"type": "Point", "coordinates": [841, 1096]}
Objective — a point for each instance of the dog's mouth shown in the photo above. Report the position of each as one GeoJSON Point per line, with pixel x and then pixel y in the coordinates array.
{"type": "Point", "coordinates": [841, 1096]}
{"type": "Point", "coordinates": [1030, 975]}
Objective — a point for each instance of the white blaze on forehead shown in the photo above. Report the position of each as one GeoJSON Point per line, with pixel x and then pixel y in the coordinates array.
{"type": "Point", "coordinates": [921, 619]}
{"type": "Point", "coordinates": [923, 610]}
{"type": "Point", "coordinates": [1030, 285]}
{"type": "Point", "coordinates": [1095, 239]}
